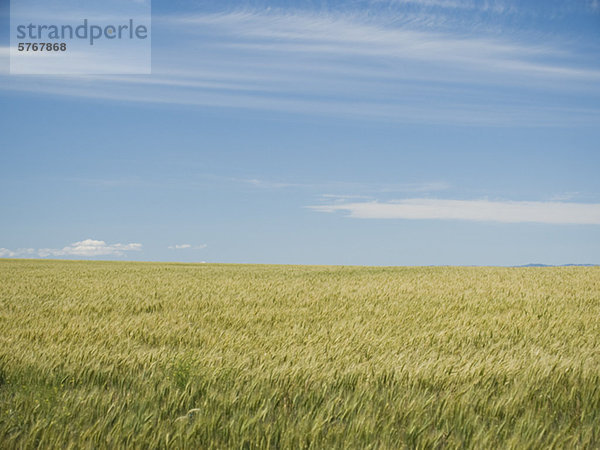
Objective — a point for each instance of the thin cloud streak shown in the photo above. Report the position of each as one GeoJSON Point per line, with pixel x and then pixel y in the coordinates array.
{"type": "Point", "coordinates": [356, 35]}
{"type": "Point", "coordinates": [349, 65]}
{"type": "Point", "coordinates": [413, 112]}
{"type": "Point", "coordinates": [186, 247]}
{"type": "Point", "coordinates": [471, 210]}
{"type": "Point", "coordinates": [356, 186]}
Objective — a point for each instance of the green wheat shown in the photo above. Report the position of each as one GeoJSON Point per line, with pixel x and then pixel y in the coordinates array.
{"type": "Point", "coordinates": [141, 355]}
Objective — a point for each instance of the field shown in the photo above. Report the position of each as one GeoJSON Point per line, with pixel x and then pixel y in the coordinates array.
{"type": "Point", "coordinates": [145, 355]}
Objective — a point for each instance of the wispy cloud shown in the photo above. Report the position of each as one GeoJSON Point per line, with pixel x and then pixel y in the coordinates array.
{"type": "Point", "coordinates": [340, 189]}
{"type": "Point", "coordinates": [85, 248]}
{"type": "Point", "coordinates": [496, 6]}
{"type": "Point", "coordinates": [187, 247]}
{"type": "Point", "coordinates": [473, 210]}
{"type": "Point", "coordinates": [501, 7]}
{"type": "Point", "coordinates": [271, 184]}
{"type": "Point", "coordinates": [380, 37]}
{"type": "Point", "coordinates": [107, 182]}
{"type": "Point", "coordinates": [360, 188]}
{"type": "Point", "coordinates": [373, 66]}
{"type": "Point", "coordinates": [344, 197]}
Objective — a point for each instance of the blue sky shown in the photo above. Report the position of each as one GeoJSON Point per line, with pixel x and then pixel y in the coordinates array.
{"type": "Point", "coordinates": [421, 132]}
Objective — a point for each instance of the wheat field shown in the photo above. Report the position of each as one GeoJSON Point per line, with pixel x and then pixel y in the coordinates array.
{"type": "Point", "coordinates": [154, 355]}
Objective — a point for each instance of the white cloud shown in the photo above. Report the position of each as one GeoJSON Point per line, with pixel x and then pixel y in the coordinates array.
{"type": "Point", "coordinates": [7, 253]}
{"type": "Point", "coordinates": [474, 210]}
{"type": "Point", "coordinates": [85, 248]}
{"type": "Point", "coordinates": [90, 247]}
{"type": "Point", "coordinates": [187, 246]}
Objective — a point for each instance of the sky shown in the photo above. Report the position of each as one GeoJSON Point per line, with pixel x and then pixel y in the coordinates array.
{"type": "Point", "coordinates": [381, 132]}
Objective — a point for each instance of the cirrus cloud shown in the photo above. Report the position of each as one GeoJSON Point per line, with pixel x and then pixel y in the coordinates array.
{"type": "Point", "coordinates": [473, 210]}
{"type": "Point", "coordinates": [186, 247]}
